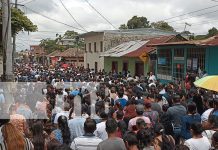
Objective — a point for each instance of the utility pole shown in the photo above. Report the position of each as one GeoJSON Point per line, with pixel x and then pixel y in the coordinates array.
{"type": "Point", "coordinates": [14, 41]}
{"type": "Point", "coordinates": [6, 41]}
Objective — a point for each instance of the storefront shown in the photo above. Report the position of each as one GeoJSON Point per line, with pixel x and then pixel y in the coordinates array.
{"type": "Point", "coordinates": [175, 59]}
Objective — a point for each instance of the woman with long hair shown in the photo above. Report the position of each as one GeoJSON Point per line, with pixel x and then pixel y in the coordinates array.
{"type": "Point", "coordinates": [38, 137]}
{"type": "Point", "coordinates": [13, 139]}
{"type": "Point", "coordinates": [161, 140]}
{"type": "Point", "coordinates": [145, 139]}
{"type": "Point", "coordinates": [62, 134]}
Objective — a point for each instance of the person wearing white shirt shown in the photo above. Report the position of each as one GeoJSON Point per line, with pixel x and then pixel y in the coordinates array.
{"type": "Point", "coordinates": [65, 112]}
{"type": "Point", "coordinates": [88, 140]}
{"type": "Point", "coordinates": [197, 142]}
{"type": "Point", "coordinates": [100, 130]}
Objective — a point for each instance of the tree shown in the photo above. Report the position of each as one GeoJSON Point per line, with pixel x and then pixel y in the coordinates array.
{"type": "Point", "coordinates": [51, 45]}
{"type": "Point", "coordinates": [211, 32]}
{"type": "Point", "coordinates": [70, 34]}
{"type": "Point", "coordinates": [123, 26]}
{"type": "Point", "coordinates": [20, 22]}
{"type": "Point", "coordinates": [162, 25]}
{"type": "Point", "coordinates": [138, 22]}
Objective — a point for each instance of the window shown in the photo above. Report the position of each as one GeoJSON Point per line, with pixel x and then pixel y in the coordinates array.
{"type": "Point", "coordinates": [179, 52]}
{"type": "Point", "coordinates": [90, 47]}
{"type": "Point", "coordinates": [195, 59]}
{"type": "Point", "coordinates": [88, 65]}
{"type": "Point", "coordinates": [95, 47]}
{"type": "Point", "coordinates": [164, 62]}
{"type": "Point", "coordinates": [101, 46]}
{"type": "Point", "coordinates": [85, 47]}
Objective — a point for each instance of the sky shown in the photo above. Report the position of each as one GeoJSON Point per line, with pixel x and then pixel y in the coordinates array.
{"type": "Point", "coordinates": [117, 12]}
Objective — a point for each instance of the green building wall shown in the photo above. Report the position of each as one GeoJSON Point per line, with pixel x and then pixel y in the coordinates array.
{"type": "Point", "coordinates": [131, 64]}
{"type": "Point", "coordinates": [212, 60]}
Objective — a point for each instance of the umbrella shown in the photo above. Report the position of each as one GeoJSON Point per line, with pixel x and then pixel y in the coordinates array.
{"type": "Point", "coordinates": [208, 82]}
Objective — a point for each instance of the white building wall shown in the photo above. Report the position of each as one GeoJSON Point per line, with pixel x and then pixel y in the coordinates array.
{"type": "Point", "coordinates": [92, 57]}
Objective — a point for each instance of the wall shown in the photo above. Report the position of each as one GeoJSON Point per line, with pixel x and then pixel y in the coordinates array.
{"type": "Point", "coordinates": [92, 57]}
{"type": "Point", "coordinates": [131, 64]}
{"type": "Point", "coordinates": [211, 60]}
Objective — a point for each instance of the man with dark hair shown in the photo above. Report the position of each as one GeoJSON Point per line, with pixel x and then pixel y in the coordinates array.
{"type": "Point", "coordinates": [139, 112]}
{"type": "Point", "coordinates": [88, 140]}
{"type": "Point", "coordinates": [100, 130]}
{"type": "Point", "coordinates": [113, 142]}
{"type": "Point", "coordinates": [121, 99]}
{"type": "Point", "coordinates": [176, 112]}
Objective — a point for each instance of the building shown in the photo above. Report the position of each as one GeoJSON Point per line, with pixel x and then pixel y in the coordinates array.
{"type": "Point", "coordinates": [175, 59]}
{"type": "Point", "coordinates": [97, 42]}
{"type": "Point", "coordinates": [73, 56]}
{"type": "Point", "coordinates": [53, 57]}
{"type": "Point", "coordinates": [70, 56]}
{"type": "Point", "coordinates": [66, 42]}
{"type": "Point", "coordinates": [138, 56]}
{"type": "Point", "coordinates": [38, 53]}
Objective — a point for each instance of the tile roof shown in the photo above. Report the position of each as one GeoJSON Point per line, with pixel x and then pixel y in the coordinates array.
{"type": "Point", "coordinates": [124, 48]}
{"type": "Point", "coordinates": [54, 54]}
{"type": "Point", "coordinates": [147, 48]}
{"type": "Point", "coordinates": [72, 52]}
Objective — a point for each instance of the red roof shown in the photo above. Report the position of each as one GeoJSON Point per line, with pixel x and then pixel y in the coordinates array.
{"type": "Point", "coordinates": [147, 48]}
{"type": "Point", "coordinates": [212, 41]}
{"type": "Point", "coordinates": [54, 54]}
{"type": "Point", "coordinates": [72, 52]}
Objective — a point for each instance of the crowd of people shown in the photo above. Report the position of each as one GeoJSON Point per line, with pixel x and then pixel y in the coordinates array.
{"type": "Point", "coordinates": [130, 112]}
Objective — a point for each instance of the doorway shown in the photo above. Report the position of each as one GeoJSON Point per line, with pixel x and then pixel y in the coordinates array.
{"type": "Point", "coordinates": [139, 69]}
{"type": "Point", "coordinates": [114, 66]}
{"type": "Point", "coordinates": [125, 67]}
{"type": "Point", "coordinates": [96, 66]}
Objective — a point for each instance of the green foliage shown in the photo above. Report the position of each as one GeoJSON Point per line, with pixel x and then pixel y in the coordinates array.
{"type": "Point", "coordinates": [51, 45]}
{"type": "Point", "coordinates": [200, 37]}
{"type": "Point", "coordinates": [211, 32]}
{"type": "Point", "coordinates": [70, 34]}
{"type": "Point", "coordinates": [123, 26]}
{"type": "Point", "coordinates": [162, 25]}
{"type": "Point", "coordinates": [20, 22]}
{"type": "Point", "coordinates": [138, 22]}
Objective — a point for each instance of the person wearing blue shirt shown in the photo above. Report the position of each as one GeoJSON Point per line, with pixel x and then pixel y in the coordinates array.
{"type": "Point", "coordinates": [191, 117]}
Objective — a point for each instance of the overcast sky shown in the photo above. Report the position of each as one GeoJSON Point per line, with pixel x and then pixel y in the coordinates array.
{"type": "Point", "coordinates": [117, 12]}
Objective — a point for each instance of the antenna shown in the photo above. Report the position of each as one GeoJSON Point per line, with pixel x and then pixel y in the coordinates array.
{"type": "Point", "coordinates": [187, 24]}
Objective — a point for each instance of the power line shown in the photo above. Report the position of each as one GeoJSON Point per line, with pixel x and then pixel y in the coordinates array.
{"type": "Point", "coordinates": [53, 19]}
{"type": "Point", "coordinates": [194, 16]}
{"type": "Point", "coordinates": [29, 2]}
{"type": "Point", "coordinates": [190, 12]}
{"type": "Point", "coordinates": [100, 14]}
{"type": "Point", "coordinates": [72, 16]}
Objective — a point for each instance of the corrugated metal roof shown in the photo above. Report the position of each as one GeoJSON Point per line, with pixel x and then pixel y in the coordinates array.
{"type": "Point", "coordinates": [147, 48]}
{"type": "Point", "coordinates": [139, 31]}
{"type": "Point", "coordinates": [213, 41]}
{"type": "Point", "coordinates": [124, 48]}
